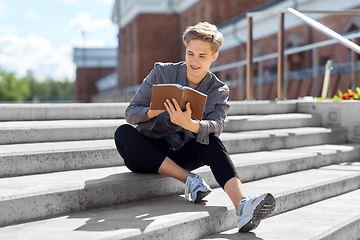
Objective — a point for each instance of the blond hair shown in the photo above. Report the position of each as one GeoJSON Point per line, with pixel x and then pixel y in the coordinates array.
{"type": "Point", "coordinates": [206, 32]}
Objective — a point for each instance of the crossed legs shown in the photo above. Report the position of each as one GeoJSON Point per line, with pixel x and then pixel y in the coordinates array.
{"type": "Point", "coordinates": [156, 157]}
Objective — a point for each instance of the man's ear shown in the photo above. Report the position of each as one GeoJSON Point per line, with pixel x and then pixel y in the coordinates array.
{"type": "Point", "coordinates": [215, 56]}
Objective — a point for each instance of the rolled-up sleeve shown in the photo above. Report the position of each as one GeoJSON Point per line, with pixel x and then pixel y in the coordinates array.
{"type": "Point", "coordinates": [214, 123]}
{"type": "Point", "coordinates": [214, 120]}
{"type": "Point", "coordinates": [140, 104]}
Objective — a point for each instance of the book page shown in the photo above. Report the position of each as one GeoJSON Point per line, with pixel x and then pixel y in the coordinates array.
{"type": "Point", "coordinates": [197, 102]}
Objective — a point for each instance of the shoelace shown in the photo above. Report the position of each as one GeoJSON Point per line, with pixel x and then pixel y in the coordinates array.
{"type": "Point", "coordinates": [190, 184]}
{"type": "Point", "coordinates": [243, 202]}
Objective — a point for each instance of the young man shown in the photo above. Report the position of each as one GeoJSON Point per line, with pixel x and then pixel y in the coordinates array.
{"type": "Point", "coordinates": [172, 143]}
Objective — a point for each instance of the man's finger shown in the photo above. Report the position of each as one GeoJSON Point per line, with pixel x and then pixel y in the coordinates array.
{"type": "Point", "coordinates": [188, 108]}
{"type": "Point", "coordinates": [176, 104]}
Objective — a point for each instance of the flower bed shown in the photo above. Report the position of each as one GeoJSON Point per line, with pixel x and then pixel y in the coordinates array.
{"type": "Point", "coordinates": [349, 95]}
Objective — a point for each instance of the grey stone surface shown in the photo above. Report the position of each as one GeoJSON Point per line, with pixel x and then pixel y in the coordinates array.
{"type": "Point", "coordinates": [33, 158]}
{"type": "Point", "coordinates": [271, 121]}
{"type": "Point", "coordinates": [174, 218]}
{"type": "Point", "coordinates": [75, 130]}
{"type": "Point", "coordinates": [250, 141]}
{"type": "Point", "coordinates": [258, 107]}
{"type": "Point", "coordinates": [336, 114]}
{"type": "Point", "coordinates": [39, 196]}
{"type": "Point", "coordinates": [57, 131]}
{"type": "Point", "coordinates": [38, 158]}
{"type": "Point", "coordinates": [58, 161]}
{"type": "Point", "coordinates": [336, 218]}
{"type": "Point", "coordinates": [43, 111]}
{"type": "Point", "coordinates": [58, 111]}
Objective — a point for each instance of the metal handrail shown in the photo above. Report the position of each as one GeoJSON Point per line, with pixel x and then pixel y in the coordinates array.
{"type": "Point", "coordinates": [281, 55]}
{"type": "Point", "coordinates": [347, 12]}
{"type": "Point", "coordinates": [325, 30]}
{"type": "Point", "coordinates": [286, 52]}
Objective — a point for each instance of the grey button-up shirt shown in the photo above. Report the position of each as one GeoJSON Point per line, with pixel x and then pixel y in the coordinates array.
{"type": "Point", "coordinates": [161, 126]}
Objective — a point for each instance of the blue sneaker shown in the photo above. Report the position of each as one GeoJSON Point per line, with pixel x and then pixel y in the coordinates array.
{"type": "Point", "coordinates": [253, 209]}
{"type": "Point", "coordinates": [197, 188]}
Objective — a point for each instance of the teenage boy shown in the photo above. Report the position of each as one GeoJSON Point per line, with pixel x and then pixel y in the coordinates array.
{"type": "Point", "coordinates": [172, 143]}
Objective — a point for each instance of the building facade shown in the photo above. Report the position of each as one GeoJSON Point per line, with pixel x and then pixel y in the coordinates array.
{"type": "Point", "coordinates": [92, 65]}
{"type": "Point", "coordinates": [150, 31]}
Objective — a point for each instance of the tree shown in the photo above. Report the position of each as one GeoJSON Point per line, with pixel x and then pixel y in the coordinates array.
{"type": "Point", "coordinates": [12, 89]}
{"type": "Point", "coordinates": [29, 89]}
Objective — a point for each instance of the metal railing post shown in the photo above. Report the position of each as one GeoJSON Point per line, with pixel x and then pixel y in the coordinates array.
{"type": "Point", "coordinates": [315, 62]}
{"type": "Point", "coordinates": [260, 79]}
{"type": "Point", "coordinates": [286, 74]}
{"type": "Point", "coordinates": [249, 58]}
{"type": "Point", "coordinates": [280, 81]}
{"type": "Point", "coordinates": [326, 84]}
{"type": "Point", "coordinates": [353, 69]}
{"type": "Point", "coordinates": [240, 87]}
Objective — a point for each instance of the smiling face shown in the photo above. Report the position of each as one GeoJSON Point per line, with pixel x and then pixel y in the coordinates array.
{"type": "Point", "coordinates": [199, 57]}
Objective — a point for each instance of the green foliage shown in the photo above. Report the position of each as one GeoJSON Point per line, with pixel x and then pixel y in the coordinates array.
{"type": "Point", "coordinates": [29, 89]}
{"type": "Point", "coordinates": [357, 93]}
{"type": "Point", "coordinates": [320, 98]}
{"type": "Point", "coordinates": [336, 98]}
{"type": "Point", "coordinates": [13, 89]}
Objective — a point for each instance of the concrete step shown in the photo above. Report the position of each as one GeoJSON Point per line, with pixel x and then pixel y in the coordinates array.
{"type": "Point", "coordinates": [59, 111]}
{"type": "Point", "coordinates": [272, 121]}
{"type": "Point", "coordinates": [46, 195]}
{"type": "Point", "coordinates": [263, 140]}
{"type": "Point", "coordinates": [74, 130]}
{"type": "Point", "coordinates": [35, 158]}
{"type": "Point", "coordinates": [331, 219]}
{"type": "Point", "coordinates": [174, 218]}
{"type": "Point", "coordinates": [59, 130]}
{"type": "Point", "coordinates": [262, 107]}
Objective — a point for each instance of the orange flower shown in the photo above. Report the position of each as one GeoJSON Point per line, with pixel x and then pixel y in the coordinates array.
{"type": "Point", "coordinates": [348, 95]}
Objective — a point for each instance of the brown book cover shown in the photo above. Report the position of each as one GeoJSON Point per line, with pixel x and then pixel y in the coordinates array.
{"type": "Point", "coordinates": [182, 94]}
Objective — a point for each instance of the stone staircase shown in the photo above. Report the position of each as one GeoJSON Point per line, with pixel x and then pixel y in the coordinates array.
{"type": "Point", "coordinates": [62, 178]}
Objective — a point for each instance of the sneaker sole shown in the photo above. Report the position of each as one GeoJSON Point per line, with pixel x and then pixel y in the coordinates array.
{"type": "Point", "coordinates": [201, 195]}
{"type": "Point", "coordinates": [262, 210]}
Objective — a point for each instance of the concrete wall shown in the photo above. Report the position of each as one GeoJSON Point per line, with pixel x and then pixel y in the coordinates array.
{"type": "Point", "coordinates": [336, 114]}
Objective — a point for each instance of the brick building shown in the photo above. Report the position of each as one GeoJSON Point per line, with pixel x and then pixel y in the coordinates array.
{"type": "Point", "coordinates": [151, 30]}
{"type": "Point", "coordinates": [298, 66]}
{"type": "Point", "coordinates": [92, 65]}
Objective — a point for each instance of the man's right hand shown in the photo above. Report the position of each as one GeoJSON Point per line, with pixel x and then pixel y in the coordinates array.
{"type": "Point", "coordinates": [153, 113]}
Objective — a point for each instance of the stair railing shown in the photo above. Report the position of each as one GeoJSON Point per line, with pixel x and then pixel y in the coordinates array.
{"type": "Point", "coordinates": [281, 56]}
{"type": "Point", "coordinates": [260, 59]}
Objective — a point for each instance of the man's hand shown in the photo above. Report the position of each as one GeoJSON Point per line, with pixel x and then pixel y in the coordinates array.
{"type": "Point", "coordinates": [180, 118]}
{"type": "Point", "coordinates": [153, 113]}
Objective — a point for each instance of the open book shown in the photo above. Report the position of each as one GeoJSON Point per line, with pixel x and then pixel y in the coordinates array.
{"type": "Point", "coordinates": [182, 94]}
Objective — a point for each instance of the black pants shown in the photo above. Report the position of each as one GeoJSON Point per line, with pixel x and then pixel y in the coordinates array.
{"type": "Point", "coordinates": [143, 154]}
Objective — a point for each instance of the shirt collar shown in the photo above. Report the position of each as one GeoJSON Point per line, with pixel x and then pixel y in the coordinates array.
{"type": "Point", "coordinates": [204, 84]}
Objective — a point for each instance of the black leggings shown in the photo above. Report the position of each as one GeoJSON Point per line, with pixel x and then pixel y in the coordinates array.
{"type": "Point", "coordinates": [143, 154]}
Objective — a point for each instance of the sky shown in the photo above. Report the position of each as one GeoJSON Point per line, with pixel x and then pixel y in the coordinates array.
{"type": "Point", "coordinates": [40, 35]}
